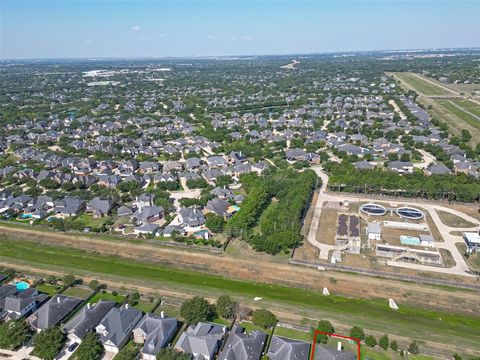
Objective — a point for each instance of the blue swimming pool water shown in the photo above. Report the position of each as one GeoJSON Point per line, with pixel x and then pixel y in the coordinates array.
{"type": "Point", "coordinates": [409, 240]}
{"type": "Point", "coordinates": [22, 285]}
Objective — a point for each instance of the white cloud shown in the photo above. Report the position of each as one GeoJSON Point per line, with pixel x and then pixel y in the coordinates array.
{"type": "Point", "coordinates": [88, 42]}
{"type": "Point", "coordinates": [136, 28]}
{"type": "Point", "coordinates": [211, 37]}
{"type": "Point", "coordinates": [246, 38]}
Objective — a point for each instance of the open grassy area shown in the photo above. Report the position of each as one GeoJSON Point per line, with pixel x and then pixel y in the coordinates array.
{"type": "Point", "coordinates": [468, 105]}
{"type": "Point", "coordinates": [452, 220]}
{"type": "Point", "coordinates": [420, 85]}
{"type": "Point", "coordinates": [78, 292]}
{"type": "Point", "coordinates": [370, 314]}
{"type": "Point", "coordinates": [469, 119]}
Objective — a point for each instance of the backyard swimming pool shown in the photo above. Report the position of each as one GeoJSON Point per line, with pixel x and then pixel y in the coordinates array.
{"type": "Point", "coordinates": [22, 285]}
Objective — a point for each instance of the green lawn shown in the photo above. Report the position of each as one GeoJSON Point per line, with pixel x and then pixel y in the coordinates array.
{"type": "Point", "coordinates": [420, 85]}
{"type": "Point", "coordinates": [78, 292]}
{"type": "Point", "coordinates": [145, 305]}
{"type": "Point", "coordinates": [468, 105]}
{"type": "Point", "coordinates": [370, 314]}
{"type": "Point", "coordinates": [48, 289]}
{"type": "Point", "coordinates": [90, 222]}
{"type": "Point", "coordinates": [251, 326]}
{"type": "Point", "coordinates": [293, 334]}
{"type": "Point", "coordinates": [108, 297]}
{"type": "Point", "coordinates": [469, 119]}
{"type": "Point", "coordinates": [169, 310]}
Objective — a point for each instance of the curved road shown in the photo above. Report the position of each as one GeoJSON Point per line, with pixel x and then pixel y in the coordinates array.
{"type": "Point", "coordinates": [448, 243]}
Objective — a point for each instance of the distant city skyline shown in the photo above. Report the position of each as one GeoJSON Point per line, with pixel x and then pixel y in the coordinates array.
{"type": "Point", "coordinates": [142, 29]}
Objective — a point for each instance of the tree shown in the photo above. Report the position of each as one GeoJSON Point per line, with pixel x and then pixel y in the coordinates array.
{"type": "Point", "coordinates": [13, 334]}
{"type": "Point", "coordinates": [325, 326]}
{"type": "Point", "coordinates": [226, 307]}
{"type": "Point", "coordinates": [90, 348]}
{"type": "Point", "coordinates": [133, 298]}
{"type": "Point", "coordinates": [383, 342]}
{"type": "Point", "coordinates": [215, 223]}
{"type": "Point", "coordinates": [172, 354]}
{"type": "Point", "coordinates": [370, 341]}
{"type": "Point", "coordinates": [94, 284]}
{"type": "Point", "coordinates": [357, 332]}
{"type": "Point", "coordinates": [129, 352]}
{"type": "Point", "coordinates": [68, 280]}
{"type": "Point", "coordinates": [49, 342]}
{"type": "Point", "coordinates": [413, 348]}
{"type": "Point", "coordinates": [197, 309]}
{"type": "Point", "coordinates": [466, 136]}
{"type": "Point", "coordinates": [264, 318]}
{"type": "Point", "coordinates": [394, 345]}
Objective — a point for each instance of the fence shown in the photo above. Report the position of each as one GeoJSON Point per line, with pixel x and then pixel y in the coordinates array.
{"type": "Point", "coordinates": [384, 274]}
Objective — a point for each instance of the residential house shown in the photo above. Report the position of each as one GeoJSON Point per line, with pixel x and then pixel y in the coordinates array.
{"type": "Point", "coordinates": [191, 217]}
{"type": "Point", "coordinates": [86, 320]}
{"type": "Point", "coordinates": [15, 304]}
{"type": "Point", "coordinates": [241, 345]}
{"type": "Point", "coordinates": [202, 340]}
{"type": "Point", "coordinates": [116, 327]}
{"type": "Point", "coordinates": [99, 207]}
{"type": "Point", "coordinates": [282, 348]}
{"type": "Point", "coordinates": [155, 332]}
{"type": "Point", "coordinates": [69, 206]}
{"type": "Point", "coordinates": [53, 312]}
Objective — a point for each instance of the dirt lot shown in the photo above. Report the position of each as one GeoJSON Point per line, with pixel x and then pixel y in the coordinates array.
{"type": "Point", "coordinates": [264, 271]}
{"type": "Point", "coordinates": [327, 227]}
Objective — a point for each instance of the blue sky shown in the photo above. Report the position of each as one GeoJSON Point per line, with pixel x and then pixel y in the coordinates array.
{"type": "Point", "coordinates": [96, 28]}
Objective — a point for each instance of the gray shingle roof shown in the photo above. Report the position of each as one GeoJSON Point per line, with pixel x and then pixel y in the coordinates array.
{"type": "Point", "coordinates": [282, 348]}
{"type": "Point", "coordinates": [88, 317]}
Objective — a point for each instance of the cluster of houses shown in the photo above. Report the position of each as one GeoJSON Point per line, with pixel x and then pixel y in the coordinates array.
{"type": "Point", "coordinates": [115, 325]}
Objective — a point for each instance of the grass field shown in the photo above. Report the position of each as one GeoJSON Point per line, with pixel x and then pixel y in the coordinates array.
{"type": "Point", "coordinates": [145, 305]}
{"type": "Point", "coordinates": [169, 310]}
{"type": "Point", "coordinates": [422, 86]}
{"type": "Point", "coordinates": [450, 219]}
{"type": "Point", "coordinates": [468, 105]}
{"type": "Point", "coordinates": [469, 119]}
{"type": "Point", "coordinates": [370, 314]}
{"type": "Point", "coordinates": [473, 261]}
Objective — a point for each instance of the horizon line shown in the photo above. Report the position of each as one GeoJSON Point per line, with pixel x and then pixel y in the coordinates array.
{"type": "Point", "coordinates": [151, 57]}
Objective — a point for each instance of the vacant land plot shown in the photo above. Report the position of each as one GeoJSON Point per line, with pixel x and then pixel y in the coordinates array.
{"type": "Point", "coordinates": [327, 227]}
{"type": "Point", "coordinates": [78, 292]}
{"type": "Point", "coordinates": [421, 85]}
{"type": "Point", "coordinates": [452, 220]}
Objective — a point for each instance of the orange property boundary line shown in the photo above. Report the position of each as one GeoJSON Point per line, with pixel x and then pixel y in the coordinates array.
{"type": "Point", "coordinates": [318, 332]}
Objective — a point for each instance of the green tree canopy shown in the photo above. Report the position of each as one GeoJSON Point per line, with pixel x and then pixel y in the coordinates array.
{"type": "Point", "coordinates": [325, 326]}
{"type": "Point", "coordinates": [264, 318]}
{"type": "Point", "coordinates": [48, 343]}
{"type": "Point", "coordinates": [13, 334]}
{"type": "Point", "coordinates": [357, 332]}
{"type": "Point", "coordinates": [197, 309]}
{"type": "Point", "coordinates": [90, 348]}
{"type": "Point", "coordinates": [226, 307]}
